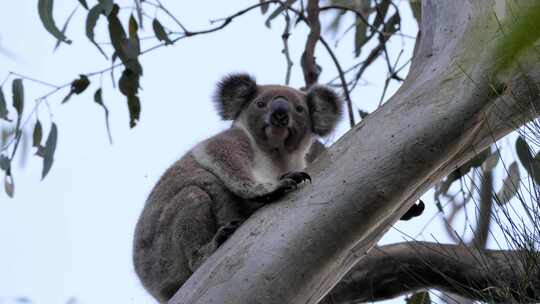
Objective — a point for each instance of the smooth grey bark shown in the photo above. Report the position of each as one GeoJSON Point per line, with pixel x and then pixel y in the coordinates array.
{"type": "Point", "coordinates": [298, 249]}
{"type": "Point", "coordinates": [484, 275]}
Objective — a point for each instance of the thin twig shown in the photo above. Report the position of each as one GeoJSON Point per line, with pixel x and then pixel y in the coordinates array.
{"type": "Point", "coordinates": [285, 51]}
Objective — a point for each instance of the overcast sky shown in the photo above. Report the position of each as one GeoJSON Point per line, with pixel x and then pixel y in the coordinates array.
{"type": "Point", "coordinates": [71, 234]}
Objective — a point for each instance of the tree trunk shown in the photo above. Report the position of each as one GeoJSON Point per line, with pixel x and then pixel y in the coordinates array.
{"type": "Point", "coordinates": [298, 249]}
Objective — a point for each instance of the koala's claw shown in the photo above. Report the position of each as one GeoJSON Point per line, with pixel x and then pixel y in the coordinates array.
{"type": "Point", "coordinates": [224, 232]}
{"type": "Point", "coordinates": [297, 176]}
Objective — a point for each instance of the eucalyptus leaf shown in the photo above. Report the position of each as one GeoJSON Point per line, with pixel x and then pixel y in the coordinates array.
{"type": "Point", "coordinates": [108, 6]}
{"type": "Point", "coordinates": [49, 149]}
{"type": "Point", "coordinates": [491, 162]}
{"type": "Point", "coordinates": [511, 185]}
{"type": "Point", "coordinates": [5, 163]}
{"type": "Point", "coordinates": [91, 21]}
{"type": "Point", "coordinates": [160, 33]}
{"type": "Point", "coordinates": [264, 6]}
{"type": "Point", "coordinates": [77, 86]}
{"type": "Point", "coordinates": [64, 28]}
{"type": "Point", "coordinates": [3, 107]}
{"type": "Point", "coordinates": [99, 100]}
{"type": "Point", "coordinates": [138, 7]}
{"type": "Point", "coordinates": [45, 10]}
{"type": "Point", "coordinates": [360, 36]}
{"type": "Point", "coordinates": [37, 134]}
{"type": "Point", "coordinates": [134, 106]}
{"type": "Point", "coordinates": [18, 96]}
{"type": "Point", "coordinates": [9, 185]}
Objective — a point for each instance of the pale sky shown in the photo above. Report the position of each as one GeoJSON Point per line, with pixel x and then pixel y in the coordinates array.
{"type": "Point", "coordinates": [71, 234]}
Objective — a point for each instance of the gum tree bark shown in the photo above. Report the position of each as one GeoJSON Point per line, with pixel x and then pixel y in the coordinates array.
{"type": "Point", "coordinates": [448, 108]}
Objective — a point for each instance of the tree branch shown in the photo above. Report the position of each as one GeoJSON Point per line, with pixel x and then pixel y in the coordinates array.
{"type": "Point", "coordinates": [298, 249]}
{"type": "Point", "coordinates": [483, 275]}
{"type": "Point", "coordinates": [309, 65]}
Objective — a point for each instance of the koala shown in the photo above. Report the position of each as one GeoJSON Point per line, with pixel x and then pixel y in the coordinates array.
{"type": "Point", "coordinates": [203, 197]}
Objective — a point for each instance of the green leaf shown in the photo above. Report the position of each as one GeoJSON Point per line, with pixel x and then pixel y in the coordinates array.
{"type": "Point", "coordinates": [134, 106]}
{"type": "Point", "coordinates": [99, 100]}
{"type": "Point", "coordinates": [18, 96]}
{"type": "Point", "coordinates": [133, 27]}
{"type": "Point", "coordinates": [5, 164]}
{"type": "Point", "coordinates": [91, 21]}
{"type": "Point", "coordinates": [511, 185]}
{"type": "Point", "coordinates": [419, 298]}
{"type": "Point", "coordinates": [3, 107]}
{"type": "Point", "coordinates": [523, 31]}
{"type": "Point", "coordinates": [64, 28]}
{"type": "Point", "coordinates": [278, 11]}
{"type": "Point", "coordinates": [48, 150]}
{"type": "Point", "coordinates": [77, 86]}
{"type": "Point", "coordinates": [84, 4]}
{"type": "Point", "coordinates": [139, 11]}
{"type": "Point", "coordinates": [37, 135]}
{"type": "Point", "coordinates": [523, 152]}
{"type": "Point", "coordinates": [360, 36]}
{"type": "Point", "coordinates": [9, 185]}
{"type": "Point", "coordinates": [160, 33]}
{"type": "Point", "coordinates": [45, 10]}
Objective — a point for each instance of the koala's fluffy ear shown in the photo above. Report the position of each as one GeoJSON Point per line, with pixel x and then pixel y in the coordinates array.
{"type": "Point", "coordinates": [233, 93]}
{"type": "Point", "coordinates": [325, 107]}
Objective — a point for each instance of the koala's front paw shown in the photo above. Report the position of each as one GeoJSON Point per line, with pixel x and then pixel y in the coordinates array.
{"type": "Point", "coordinates": [290, 181]}
{"type": "Point", "coordinates": [224, 232]}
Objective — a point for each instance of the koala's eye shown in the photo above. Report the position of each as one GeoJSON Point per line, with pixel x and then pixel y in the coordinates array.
{"type": "Point", "coordinates": [260, 104]}
{"type": "Point", "coordinates": [299, 109]}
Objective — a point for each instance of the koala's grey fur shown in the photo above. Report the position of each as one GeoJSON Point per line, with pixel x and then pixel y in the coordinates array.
{"type": "Point", "coordinates": [202, 197]}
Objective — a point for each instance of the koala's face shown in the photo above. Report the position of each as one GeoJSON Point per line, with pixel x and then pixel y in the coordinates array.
{"type": "Point", "coordinates": [278, 116]}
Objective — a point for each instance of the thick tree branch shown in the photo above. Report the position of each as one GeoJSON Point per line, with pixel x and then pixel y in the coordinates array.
{"type": "Point", "coordinates": [296, 250]}
{"type": "Point", "coordinates": [397, 269]}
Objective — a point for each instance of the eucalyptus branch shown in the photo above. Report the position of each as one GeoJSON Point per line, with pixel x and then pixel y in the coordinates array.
{"type": "Point", "coordinates": [309, 65]}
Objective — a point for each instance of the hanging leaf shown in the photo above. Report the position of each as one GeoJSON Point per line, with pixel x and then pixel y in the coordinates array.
{"type": "Point", "coordinates": [264, 6]}
{"type": "Point", "coordinates": [84, 4]}
{"type": "Point", "coordinates": [77, 86]}
{"type": "Point", "coordinates": [134, 106]}
{"type": "Point", "coordinates": [127, 50]}
{"type": "Point", "coordinates": [48, 150]}
{"type": "Point", "coordinates": [419, 298]}
{"type": "Point", "coordinates": [511, 185]}
{"type": "Point", "coordinates": [523, 152]}
{"type": "Point", "coordinates": [360, 36]}
{"type": "Point", "coordinates": [9, 186]}
{"type": "Point", "coordinates": [91, 21]}
{"type": "Point", "coordinates": [278, 11]}
{"type": "Point", "coordinates": [64, 28]}
{"type": "Point", "coordinates": [160, 33]}
{"type": "Point", "coordinates": [18, 96]}
{"type": "Point", "coordinates": [3, 107]}
{"type": "Point", "coordinates": [45, 10]}
{"type": "Point", "coordinates": [99, 100]}
{"type": "Point", "coordinates": [128, 83]}
{"type": "Point", "coordinates": [5, 164]}
{"type": "Point", "coordinates": [37, 134]}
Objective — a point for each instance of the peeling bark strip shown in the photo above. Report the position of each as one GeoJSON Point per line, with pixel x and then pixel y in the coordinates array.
{"type": "Point", "coordinates": [297, 250]}
{"type": "Point", "coordinates": [397, 269]}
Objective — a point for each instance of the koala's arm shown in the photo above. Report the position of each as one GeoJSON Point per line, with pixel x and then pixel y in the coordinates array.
{"type": "Point", "coordinates": [230, 156]}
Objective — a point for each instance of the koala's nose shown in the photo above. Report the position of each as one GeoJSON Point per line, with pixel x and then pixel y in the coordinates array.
{"type": "Point", "coordinates": [279, 109]}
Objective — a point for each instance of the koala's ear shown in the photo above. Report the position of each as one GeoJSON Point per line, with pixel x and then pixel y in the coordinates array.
{"type": "Point", "coordinates": [233, 93]}
{"type": "Point", "coordinates": [325, 107]}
